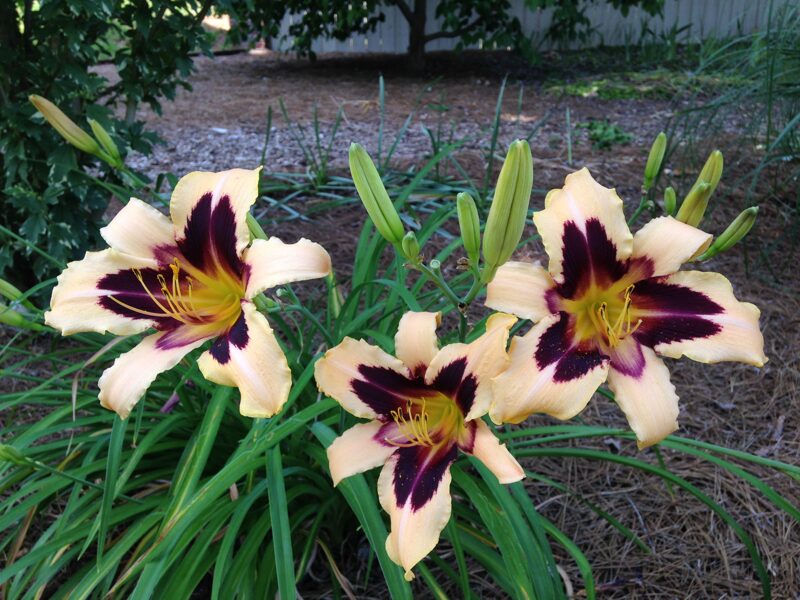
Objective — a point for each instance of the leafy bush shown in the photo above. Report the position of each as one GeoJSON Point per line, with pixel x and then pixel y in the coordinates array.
{"type": "Point", "coordinates": [50, 49]}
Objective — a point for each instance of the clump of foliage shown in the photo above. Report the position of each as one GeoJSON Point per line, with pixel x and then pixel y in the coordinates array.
{"type": "Point", "coordinates": [50, 49]}
{"type": "Point", "coordinates": [605, 135]}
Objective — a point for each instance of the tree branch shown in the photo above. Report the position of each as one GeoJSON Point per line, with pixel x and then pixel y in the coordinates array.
{"type": "Point", "coordinates": [405, 9]}
{"type": "Point", "coordinates": [452, 34]}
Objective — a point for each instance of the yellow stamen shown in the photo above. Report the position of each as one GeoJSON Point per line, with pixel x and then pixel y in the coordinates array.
{"type": "Point", "coordinates": [414, 427]}
{"type": "Point", "coordinates": [621, 328]}
{"type": "Point", "coordinates": [180, 304]}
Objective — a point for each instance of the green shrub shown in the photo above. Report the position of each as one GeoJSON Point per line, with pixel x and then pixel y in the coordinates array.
{"type": "Point", "coordinates": [49, 48]}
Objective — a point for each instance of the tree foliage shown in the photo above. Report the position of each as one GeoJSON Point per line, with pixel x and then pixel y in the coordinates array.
{"type": "Point", "coordinates": [468, 21]}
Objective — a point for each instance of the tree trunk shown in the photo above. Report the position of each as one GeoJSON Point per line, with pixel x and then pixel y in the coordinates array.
{"type": "Point", "coordinates": [416, 39]}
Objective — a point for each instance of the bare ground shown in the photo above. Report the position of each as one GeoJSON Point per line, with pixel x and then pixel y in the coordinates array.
{"type": "Point", "coordinates": [221, 124]}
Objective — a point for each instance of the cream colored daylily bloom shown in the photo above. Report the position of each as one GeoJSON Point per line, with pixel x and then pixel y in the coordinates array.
{"type": "Point", "coordinates": [609, 302]}
{"type": "Point", "coordinates": [423, 407]}
{"type": "Point", "coordinates": [191, 279]}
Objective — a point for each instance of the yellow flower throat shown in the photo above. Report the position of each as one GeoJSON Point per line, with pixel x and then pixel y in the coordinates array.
{"type": "Point", "coordinates": [604, 313]}
{"type": "Point", "coordinates": [214, 299]}
{"type": "Point", "coordinates": [426, 422]}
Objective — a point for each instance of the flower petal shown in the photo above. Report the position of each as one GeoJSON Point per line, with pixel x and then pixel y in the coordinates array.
{"type": "Point", "coordinates": [209, 212]}
{"type": "Point", "coordinates": [695, 314]}
{"type": "Point", "coordinates": [414, 488]}
{"type": "Point", "coordinates": [465, 371]}
{"type": "Point", "coordinates": [139, 230]}
{"type": "Point", "coordinates": [415, 342]}
{"type": "Point", "coordinates": [125, 382]}
{"type": "Point", "coordinates": [521, 289]}
{"type": "Point", "coordinates": [357, 450]}
{"type": "Point", "coordinates": [549, 373]}
{"type": "Point", "coordinates": [364, 379]}
{"type": "Point", "coordinates": [665, 243]}
{"type": "Point", "coordinates": [585, 234]}
{"type": "Point", "coordinates": [488, 449]}
{"type": "Point", "coordinates": [271, 263]}
{"type": "Point", "coordinates": [642, 388]}
{"type": "Point", "coordinates": [250, 358]}
{"type": "Point", "coordinates": [80, 303]}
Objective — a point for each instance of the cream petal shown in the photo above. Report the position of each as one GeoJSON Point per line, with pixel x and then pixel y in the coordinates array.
{"type": "Point", "coordinates": [357, 450]}
{"type": "Point", "coordinates": [345, 374]}
{"type": "Point", "coordinates": [488, 449]}
{"type": "Point", "coordinates": [125, 382]}
{"type": "Point", "coordinates": [521, 288]}
{"type": "Point", "coordinates": [646, 396]}
{"type": "Point", "coordinates": [139, 229]}
{"type": "Point", "coordinates": [240, 186]}
{"type": "Point", "coordinates": [256, 365]}
{"type": "Point", "coordinates": [559, 382]}
{"type": "Point", "coordinates": [415, 342]}
{"type": "Point", "coordinates": [272, 263]}
{"type": "Point", "coordinates": [415, 530]}
{"type": "Point", "coordinates": [589, 215]}
{"type": "Point", "coordinates": [666, 243]}
{"type": "Point", "coordinates": [682, 327]}
{"type": "Point", "coordinates": [75, 305]}
{"type": "Point", "coordinates": [485, 358]}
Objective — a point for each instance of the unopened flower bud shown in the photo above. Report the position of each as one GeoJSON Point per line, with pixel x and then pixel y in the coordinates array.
{"type": "Point", "coordinates": [9, 316]}
{"type": "Point", "coordinates": [410, 246]}
{"type": "Point", "coordinates": [106, 142]}
{"type": "Point", "coordinates": [670, 201]}
{"type": "Point", "coordinates": [654, 160]}
{"type": "Point", "coordinates": [435, 265]}
{"type": "Point", "coordinates": [64, 125]}
{"type": "Point", "coordinates": [374, 196]}
{"type": "Point", "coordinates": [12, 455]}
{"type": "Point", "coordinates": [694, 205]}
{"type": "Point", "coordinates": [733, 234]}
{"type": "Point", "coordinates": [470, 225]}
{"type": "Point", "coordinates": [509, 208]}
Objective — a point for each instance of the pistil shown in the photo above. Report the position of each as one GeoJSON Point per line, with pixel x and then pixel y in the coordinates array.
{"type": "Point", "coordinates": [413, 427]}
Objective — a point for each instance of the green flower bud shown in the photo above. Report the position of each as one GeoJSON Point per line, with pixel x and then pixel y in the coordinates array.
{"type": "Point", "coordinates": [694, 205]}
{"type": "Point", "coordinates": [654, 160]}
{"type": "Point", "coordinates": [670, 201]}
{"type": "Point", "coordinates": [410, 247]}
{"type": "Point", "coordinates": [470, 225]}
{"type": "Point", "coordinates": [509, 208]}
{"type": "Point", "coordinates": [733, 234]}
{"type": "Point", "coordinates": [12, 455]}
{"type": "Point", "coordinates": [373, 194]}
{"type": "Point", "coordinates": [9, 316]}
{"type": "Point", "coordinates": [65, 126]}
{"type": "Point", "coordinates": [106, 142]}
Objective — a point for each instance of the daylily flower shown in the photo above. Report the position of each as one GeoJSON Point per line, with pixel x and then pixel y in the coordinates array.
{"type": "Point", "coordinates": [191, 279]}
{"type": "Point", "coordinates": [608, 304]}
{"type": "Point", "coordinates": [424, 406]}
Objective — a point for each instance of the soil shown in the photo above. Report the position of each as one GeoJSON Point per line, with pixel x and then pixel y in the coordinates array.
{"type": "Point", "coordinates": [221, 124]}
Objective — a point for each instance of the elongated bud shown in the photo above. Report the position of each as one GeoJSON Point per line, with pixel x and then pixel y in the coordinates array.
{"type": "Point", "coordinates": [509, 208]}
{"type": "Point", "coordinates": [410, 246]}
{"type": "Point", "coordinates": [9, 316]}
{"type": "Point", "coordinates": [694, 205]}
{"type": "Point", "coordinates": [654, 160]}
{"type": "Point", "coordinates": [670, 201]}
{"type": "Point", "coordinates": [12, 455]}
{"type": "Point", "coordinates": [106, 142]}
{"type": "Point", "coordinates": [470, 225]}
{"type": "Point", "coordinates": [733, 234]}
{"type": "Point", "coordinates": [65, 126]}
{"type": "Point", "coordinates": [373, 194]}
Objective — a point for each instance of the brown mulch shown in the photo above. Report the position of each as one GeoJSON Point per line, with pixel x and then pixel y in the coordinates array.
{"type": "Point", "coordinates": [220, 124]}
